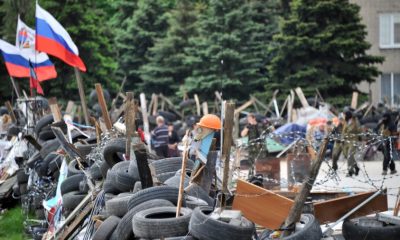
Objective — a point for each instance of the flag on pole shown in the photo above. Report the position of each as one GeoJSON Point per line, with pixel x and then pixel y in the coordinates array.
{"type": "Point", "coordinates": [33, 81]}
{"type": "Point", "coordinates": [53, 39]}
{"type": "Point", "coordinates": [17, 63]}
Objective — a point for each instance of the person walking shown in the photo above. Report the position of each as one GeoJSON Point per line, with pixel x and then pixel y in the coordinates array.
{"type": "Point", "coordinates": [388, 130]}
{"type": "Point", "coordinates": [252, 132]}
{"type": "Point", "coordinates": [160, 138]}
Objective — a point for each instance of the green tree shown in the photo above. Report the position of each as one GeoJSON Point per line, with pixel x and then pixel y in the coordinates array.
{"type": "Point", "coordinates": [229, 52]}
{"type": "Point", "coordinates": [166, 70]}
{"type": "Point", "coordinates": [147, 23]}
{"type": "Point", "coordinates": [322, 45]}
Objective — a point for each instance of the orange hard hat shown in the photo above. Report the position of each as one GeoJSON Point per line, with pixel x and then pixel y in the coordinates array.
{"type": "Point", "coordinates": [210, 121]}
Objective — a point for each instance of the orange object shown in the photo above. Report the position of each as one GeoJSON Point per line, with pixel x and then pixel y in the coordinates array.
{"type": "Point", "coordinates": [261, 206]}
{"type": "Point", "coordinates": [210, 121]}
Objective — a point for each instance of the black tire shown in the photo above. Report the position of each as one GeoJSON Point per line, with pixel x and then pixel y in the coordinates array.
{"type": "Point", "coordinates": [44, 167]}
{"type": "Point", "coordinates": [73, 167]}
{"type": "Point", "coordinates": [55, 164]}
{"type": "Point", "coordinates": [175, 181]}
{"type": "Point", "coordinates": [95, 172]}
{"type": "Point", "coordinates": [180, 238]}
{"type": "Point", "coordinates": [33, 160]}
{"type": "Point", "coordinates": [46, 135]}
{"type": "Point", "coordinates": [193, 202]}
{"type": "Point", "coordinates": [72, 199]}
{"type": "Point", "coordinates": [13, 130]}
{"type": "Point", "coordinates": [137, 187]}
{"type": "Point", "coordinates": [71, 183]}
{"type": "Point", "coordinates": [16, 191]}
{"type": "Point", "coordinates": [44, 121]}
{"type": "Point", "coordinates": [22, 177]}
{"type": "Point", "coordinates": [117, 206]}
{"type": "Point", "coordinates": [111, 150]}
{"type": "Point", "coordinates": [124, 229]}
{"type": "Point", "coordinates": [23, 188]}
{"type": "Point", "coordinates": [108, 187]}
{"type": "Point", "coordinates": [106, 229]}
{"type": "Point", "coordinates": [198, 192]}
{"type": "Point", "coordinates": [369, 228]}
{"type": "Point", "coordinates": [165, 176]}
{"type": "Point", "coordinates": [170, 165]}
{"type": "Point", "coordinates": [187, 103]}
{"type": "Point", "coordinates": [124, 178]}
{"type": "Point", "coordinates": [104, 168]}
{"type": "Point", "coordinates": [311, 230]}
{"type": "Point", "coordinates": [48, 147]}
{"type": "Point", "coordinates": [85, 149]}
{"type": "Point", "coordinates": [161, 222]}
{"type": "Point", "coordinates": [203, 227]}
{"type": "Point", "coordinates": [158, 192]}
{"type": "Point", "coordinates": [83, 186]}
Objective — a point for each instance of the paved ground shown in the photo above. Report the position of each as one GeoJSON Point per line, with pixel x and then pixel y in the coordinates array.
{"type": "Point", "coordinates": [369, 178]}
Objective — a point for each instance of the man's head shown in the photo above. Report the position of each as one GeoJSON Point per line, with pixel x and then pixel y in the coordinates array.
{"type": "Point", "coordinates": [348, 115]}
{"type": "Point", "coordinates": [251, 118]}
{"type": "Point", "coordinates": [170, 127]}
{"type": "Point", "coordinates": [160, 121]}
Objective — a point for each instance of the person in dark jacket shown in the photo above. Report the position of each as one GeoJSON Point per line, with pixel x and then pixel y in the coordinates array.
{"type": "Point", "coordinates": [253, 133]}
{"type": "Point", "coordinates": [173, 140]}
{"type": "Point", "coordinates": [160, 138]}
{"type": "Point", "coordinates": [388, 130]}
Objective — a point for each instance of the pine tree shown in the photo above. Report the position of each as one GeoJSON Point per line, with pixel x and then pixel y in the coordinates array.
{"type": "Point", "coordinates": [322, 45]}
{"type": "Point", "coordinates": [229, 52]}
{"type": "Point", "coordinates": [166, 69]}
{"type": "Point", "coordinates": [147, 23]}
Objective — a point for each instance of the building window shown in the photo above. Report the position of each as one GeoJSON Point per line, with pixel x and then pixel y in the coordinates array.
{"type": "Point", "coordinates": [390, 88]}
{"type": "Point", "coordinates": [389, 30]}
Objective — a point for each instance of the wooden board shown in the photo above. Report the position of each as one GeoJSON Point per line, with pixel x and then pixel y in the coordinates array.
{"type": "Point", "coordinates": [77, 222]}
{"type": "Point", "coordinates": [332, 210]}
{"type": "Point", "coordinates": [261, 206]}
{"type": "Point", "coordinates": [354, 100]}
{"type": "Point", "coordinates": [103, 106]}
{"type": "Point", "coordinates": [302, 98]}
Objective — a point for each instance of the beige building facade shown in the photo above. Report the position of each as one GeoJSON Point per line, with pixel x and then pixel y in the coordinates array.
{"type": "Point", "coordinates": [382, 19]}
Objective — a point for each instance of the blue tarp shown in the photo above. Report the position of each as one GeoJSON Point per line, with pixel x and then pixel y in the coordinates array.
{"type": "Point", "coordinates": [290, 132]}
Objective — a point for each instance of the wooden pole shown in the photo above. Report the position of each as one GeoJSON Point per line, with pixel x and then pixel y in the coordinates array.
{"type": "Point", "coordinates": [11, 111]}
{"type": "Point", "coordinates": [205, 108]}
{"type": "Point", "coordinates": [155, 105]}
{"type": "Point", "coordinates": [82, 95]}
{"type": "Point", "coordinates": [196, 98]}
{"type": "Point", "coordinates": [354, 100]}
{"type": "Point", "coordinates": [55, 110]}
{"type": "Point", "coordinates": [103, 106]}
{"type": "Point", "coordinates": [145, 119]}
{"type": "Point", "coordinates": [15, 86]}
{"type": "Point", "coordinates": [129, 122]}
{"type": "Point", "coordinates": [226, 147]}
{"type": "Point", "coordinates": [301, 197]}
{"type": "Point", "coordinates": [183, 174]}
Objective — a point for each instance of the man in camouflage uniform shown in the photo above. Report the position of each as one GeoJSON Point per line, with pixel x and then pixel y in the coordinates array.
{"type": "Point", "coordinates": [252, 132]}
{"type": "Point", "coordinates": [387, 129]}
{"type": "Point", "coordinates": [350, 135]}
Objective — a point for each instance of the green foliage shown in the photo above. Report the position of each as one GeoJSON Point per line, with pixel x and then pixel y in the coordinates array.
{"type": "Point", "coordinates": [322, 45]}
{"type": "Point", "coordinates": [229, 52]}
{"type": "Point", "coordinates": [147, 23]}
{"type": "Point", "coordinates": [165, 70]}
{"type": "Point", "coordinates": [11, 224]}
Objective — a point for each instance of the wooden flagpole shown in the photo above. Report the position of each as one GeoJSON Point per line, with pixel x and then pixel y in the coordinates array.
{"type": "Point", "coordinates": [16, 89]}
{"type": "Point", "coordinates": [82, 95]}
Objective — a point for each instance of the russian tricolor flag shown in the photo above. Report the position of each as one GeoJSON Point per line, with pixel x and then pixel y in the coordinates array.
{"type": "Point", "coordinates": [53, 39]}
{"type": "Point", "coordinates": [17, 63]}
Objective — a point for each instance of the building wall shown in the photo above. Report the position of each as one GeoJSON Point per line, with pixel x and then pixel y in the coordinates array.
{"type": "Point", "coordinates": [370, 10]}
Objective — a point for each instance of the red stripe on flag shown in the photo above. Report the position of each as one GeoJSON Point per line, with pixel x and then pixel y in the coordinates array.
{"type": "Point", "coordinates": [43, 73]}
{"type": "Point", "coordinates": [56, 49]}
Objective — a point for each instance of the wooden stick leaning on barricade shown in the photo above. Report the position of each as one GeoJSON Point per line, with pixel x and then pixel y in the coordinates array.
{"type": "Point", "coordinates": [185, 155]}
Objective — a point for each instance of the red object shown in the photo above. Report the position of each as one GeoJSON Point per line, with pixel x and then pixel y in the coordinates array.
{"type": "Point", "coordinates": [34, 82]}
{"type": "Point", "coordinates": [141, 134]}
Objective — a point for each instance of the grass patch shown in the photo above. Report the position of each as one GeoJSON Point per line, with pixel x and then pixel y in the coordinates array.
{"type": "Point", "coordinates": [11, 225]}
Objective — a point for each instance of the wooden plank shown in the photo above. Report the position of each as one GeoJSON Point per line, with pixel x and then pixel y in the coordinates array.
{"type": "Point", "coordinates": [129, 123]}
{"type": "Point", "coordinates": [155, 105]}
{"type": "Point", "coordinates": [103, 106]}
{"type": "Point", "coordinates": [260, 205]}
{"type": "Point", "coordinates": [151, 104]}
{"type": "Point", "coordinates": [55, 110]}
{"type": "Point", "coordinates": [227, 144]}
{"type": "Point", "coordinates": [70, 229]}
{"type": "Point", "coordinates": [301, 96]}
{"type": "Point", "coordinates": [295, 211]}
{"type": "Point", "coordinates": [244, 106]}
{"type": "Point", "coordinates": [11, 111]}
{"type": "Point", "coordinates": [284, 106]}
{"type": "Point", "coordinates": [218, 96]}
{"type": "Point", "coordinates": [362, 107]}
{"type": "Point", "coordinates": [354, 100]}
{"type": "Point", "coordinates": [68, 147]}
{"type": "Point", "coordinates": [319, 95]}
{"type": "Point", "coordinates": [334, 209]}
{"type": "Point", "coordinates": [260, 103]}
{"type": "Point", "coordinates": [82, 95]}
{"type": "Point", "coordinates": [204, 105]}
{"type": "Point", "coordinates": [70, 107]}
{"type": "Point", "coordinates": [16, 87]}
{"type": "Point", "coordinates": [183, 173]}
{"type": "Point", "coordinates": [397, 205]}
{"type": "Point", "coordinates": [198, 109]}
{"type": "Point", "coordinates": [145, 118]}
